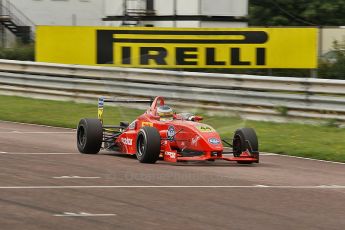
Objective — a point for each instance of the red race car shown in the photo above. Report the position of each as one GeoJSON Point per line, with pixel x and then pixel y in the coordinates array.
{"type": "Point", "coordinates": [160, 132]}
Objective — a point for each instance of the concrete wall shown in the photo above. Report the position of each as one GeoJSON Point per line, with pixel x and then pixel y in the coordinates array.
{"type": "Point", "coordinates": [223, 24]}
{"type": "Point", "coordinates": [7, 39]}
{"type": "Point", "coordinates": [113, 7]}
{"type": "Point", "coordinates": [328, 36]}
{"type": "Point", "coordinates": [190, 7]}
{"type": "Point", "coordinates": [91, 12]}
{"type": "Point", "coordinates": [63, 12]}
{"type": "Point", "coordinates": [164, 7]}
{"type": "Point", "coordinates": [202, 7]}
{"type": "Point", "coordinates": [224, 7]}
{"type": "Point", "coordinates": [184, 7]}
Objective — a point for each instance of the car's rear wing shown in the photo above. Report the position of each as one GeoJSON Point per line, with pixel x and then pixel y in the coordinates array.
{"type": "Point", "coordinates": [102, 100]}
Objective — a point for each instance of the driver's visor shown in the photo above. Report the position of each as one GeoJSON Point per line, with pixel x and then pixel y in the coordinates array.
{"type": "Point", "coordinates": [170, 114]}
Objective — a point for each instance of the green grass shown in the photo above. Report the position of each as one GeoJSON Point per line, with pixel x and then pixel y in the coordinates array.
{"type": "Point", "coordinates": [319, 142]}
{"type": "Point", "coordinates": [313, 141]}
{"type": "Point", "coordinates": [57, 113]}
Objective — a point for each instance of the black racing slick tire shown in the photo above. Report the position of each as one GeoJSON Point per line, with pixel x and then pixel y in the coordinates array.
{"type": "Point", "coordinates": [148, 145]}
{"type": "Point", "coordinates": [89, 136]}
{"type": "Point", "coordinates": [245, 139]}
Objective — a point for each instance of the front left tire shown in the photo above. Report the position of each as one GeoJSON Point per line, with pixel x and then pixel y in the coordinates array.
{"type": "Point", "coordinates": [148, 145]}
{"type": "Point", "coordinates": [89, 136]}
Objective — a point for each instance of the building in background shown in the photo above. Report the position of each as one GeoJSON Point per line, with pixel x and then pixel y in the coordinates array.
{"type": "Point", "coordinates": [60, 12]}
{"type": "Point", "coordinates": [328, 36]}
{"type": "Point", "coordinates": [177, 13]}
{"type": "Point", "coordinates": [19, 17]}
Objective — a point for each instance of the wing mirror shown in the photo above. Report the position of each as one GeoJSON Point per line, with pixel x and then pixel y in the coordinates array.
{"type": "Point", "coordinates": [198, 118]}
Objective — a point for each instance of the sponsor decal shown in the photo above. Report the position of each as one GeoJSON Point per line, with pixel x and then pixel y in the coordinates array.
{"type": "Point", "coordinates": [171, 133]}
{"type": "Point", "coordinates": [195, 140]}
{"type": "Point", "coordinates": [147, 124]}
{"type": "Point", "coordinates": [100, 114]}
{"type": "Point", "coordinates": [214, 141]}
{"type": "Point", "coordinates": [171, 155]}
{"type": "Point", "coordinates": [158, 49]}
{"type": "Point", "coordinates": [100, 102]}
{"type": "Point", "coordinates": [100, 108]}
{"type": "Point", "coordinates": [178, 47]}
{"type": "Point", "coordinates": [205, 128]}
{"type": "Point", "coordinates": [127, 141]}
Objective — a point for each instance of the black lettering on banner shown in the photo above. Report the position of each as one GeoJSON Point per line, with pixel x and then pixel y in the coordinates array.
{"type": "Point", "coordinates": [260, 56]}
{"type": "Point", "coordinates": [211, 57]}
{"type": "Point", "coordinates": [126, 55]}
{"type": "Point", "coordinates": [159, 56]}
{"type": "Point", "coordinates": [247, 37]}
{"type": "Point", "coordinates": [183, 53]}
{"type": "Point", "coordinates": [106, 40]}
{"type": "Point", "coordinates": [235, 57]}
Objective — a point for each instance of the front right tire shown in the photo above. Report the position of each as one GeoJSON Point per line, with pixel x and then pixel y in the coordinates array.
{"type": "Point", "coordinates": [245, 139]}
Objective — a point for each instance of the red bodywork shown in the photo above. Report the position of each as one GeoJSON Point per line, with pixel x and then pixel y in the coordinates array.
{"type": "Point", "coordinates": [191, 136]}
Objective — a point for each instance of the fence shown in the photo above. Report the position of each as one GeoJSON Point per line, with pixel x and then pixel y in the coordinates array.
{"type": "Point", "coordinates": [253, 97]}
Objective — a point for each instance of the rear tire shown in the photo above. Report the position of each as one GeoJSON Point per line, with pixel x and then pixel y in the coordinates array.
{"type": "Point", "coordinates": [148, 145]}
{"type": "Point", "coordinates": [89, 136]}
{"type": "Point", "coordinates": [245, 138]}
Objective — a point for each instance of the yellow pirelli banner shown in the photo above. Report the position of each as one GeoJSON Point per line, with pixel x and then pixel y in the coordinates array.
{"type": "Point", "coordinates": [178, 47]}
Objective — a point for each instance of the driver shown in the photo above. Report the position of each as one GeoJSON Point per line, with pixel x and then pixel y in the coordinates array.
{"type": "Point", "coordinates": [165, 113]}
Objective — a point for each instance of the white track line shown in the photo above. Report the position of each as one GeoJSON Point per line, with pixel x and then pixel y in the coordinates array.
{"type": "Point", "coordinates": [21, 132]}
{"type": "Point", "coordinates": [268, 154]}
{"type": "Point", "coordinates": [39, 153]}
{"type": "Point", "coordinates": [47, 126]}
{"type": "Point", "coordinates": [304, 158]}
{"type": "Point", "coordinates": [82, 214]}
{"type": "Point", "coordinates": [179, 186]}
{"type": "Point", "coordinates": [30, 124]}
{"type": "Point", "coordinates": [76, 177]}
{"type": "Point", "coordinates": [264, 154]}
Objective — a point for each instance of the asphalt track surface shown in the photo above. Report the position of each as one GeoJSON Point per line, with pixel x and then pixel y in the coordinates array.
{"type": "Point", "coordinates": [46, 184]}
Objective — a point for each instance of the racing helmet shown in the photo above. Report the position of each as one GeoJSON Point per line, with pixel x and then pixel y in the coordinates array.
{"type": "Point", "coordinates": [165, 113]}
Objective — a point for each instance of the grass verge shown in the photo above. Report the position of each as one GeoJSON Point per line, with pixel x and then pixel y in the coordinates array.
{"type": "Point", "coordinates": [317, 142]}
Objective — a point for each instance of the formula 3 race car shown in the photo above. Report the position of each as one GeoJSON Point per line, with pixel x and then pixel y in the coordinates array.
{"type": "Point", "coordinates": [160, 133]}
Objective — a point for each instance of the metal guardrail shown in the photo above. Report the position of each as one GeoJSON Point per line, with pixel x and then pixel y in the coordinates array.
{"type": "Point", "coordinates": [253, 97]}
